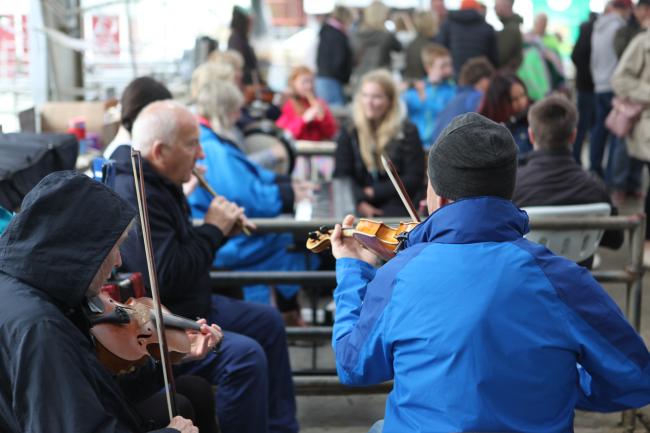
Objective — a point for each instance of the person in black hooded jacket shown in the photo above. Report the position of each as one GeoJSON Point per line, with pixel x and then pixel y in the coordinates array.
{"type": "Point", "coordinates": [466, 35]}
{"type": "Point", "coordinates": [59, 249]}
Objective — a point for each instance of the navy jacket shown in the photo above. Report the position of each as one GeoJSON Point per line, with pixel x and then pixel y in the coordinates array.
{"type": "Point", "coordinates": [483, 330]}
{"type": "Point", "coordinates": [466, 34]}
{"type": "Point", "coordinates": [50, 378]}
{"type": "Point", "coordinates": [334, 55]}
{"type": "Point", "coordinates": [183, 253]}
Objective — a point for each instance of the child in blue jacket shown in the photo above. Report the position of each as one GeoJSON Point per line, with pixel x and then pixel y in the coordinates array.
{"type": "Point", "coordinates": [427, 98]}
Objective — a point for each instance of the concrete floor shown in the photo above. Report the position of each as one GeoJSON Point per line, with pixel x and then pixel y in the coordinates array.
{"type": "Point", "coordinates": [355, 414]}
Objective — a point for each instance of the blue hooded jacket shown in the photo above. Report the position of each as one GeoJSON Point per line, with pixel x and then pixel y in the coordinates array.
{"type": "Point", "coordinates": [425, 112]}
{"type": "Point", "coordinates": [482, 330]}
{"type": "Point", "coordinates": [263, 195]}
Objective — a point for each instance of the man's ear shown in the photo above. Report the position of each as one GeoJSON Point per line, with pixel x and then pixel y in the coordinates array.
{"type": "Point", "coordinates": [157, 149]}
{"type": "Point", "coordinates": [442, 201]}
{"type": "Point", "coordinates": [531, 137]}
{"type": "Point", "coordinates": [572, 139]}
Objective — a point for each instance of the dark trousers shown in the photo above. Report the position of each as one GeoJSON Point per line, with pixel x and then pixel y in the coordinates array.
{"type": "Point", "coordinates": [600, 134]}
{"type": "Point", "coordinates": [625, 172]}
{"type": "Point", "coordinates": [194, 400]}
{"type": "Point", "coordinates": [251, 370]}
{"type": "Point", "coordinates": [586, 112]}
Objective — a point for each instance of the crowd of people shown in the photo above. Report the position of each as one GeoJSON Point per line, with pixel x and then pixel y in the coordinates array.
{"type": "Point", "coordinates": [477, 123]}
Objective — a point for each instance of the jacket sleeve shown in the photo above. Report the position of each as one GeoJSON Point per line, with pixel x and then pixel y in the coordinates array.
{"type": "Point", "coordinates": [363, 356]}
{"type": "Point", "coordinates": [243, 182]}
{"type": "Point", "coordinates": [290, 120]}
{"type": "Point", "coordinates": [410, 169]}
{"type": "Point", "coordinates": [179, 260]}
{"type": "Point", "coordinates": [327, 124]}
{"type": "Point", "coordinates": [53, 391]}
{"type": "Point", "coordinates": [627, 81]}
{"type": "Point", "coordinates": [614, 363]}
{"type": "Point", "coordinates": [344, 163]}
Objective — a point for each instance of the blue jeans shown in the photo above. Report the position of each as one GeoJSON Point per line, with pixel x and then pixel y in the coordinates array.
{"type": "Point", "coordinates": [377, 427]}
{"type": "Point", "coordinates": [251, 370]}
{"type": "Point", "coordinates": [600, 134]}
{"type": "Point", "coordinates": [586, 105]}
{"type": "Point", "coordinates": [624, 172]}
{"type": "Point", "coordinates": [330, 90]}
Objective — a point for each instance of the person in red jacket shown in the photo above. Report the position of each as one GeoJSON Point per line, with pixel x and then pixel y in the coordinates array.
{"type": "Point", "coordinates": [306, 117]}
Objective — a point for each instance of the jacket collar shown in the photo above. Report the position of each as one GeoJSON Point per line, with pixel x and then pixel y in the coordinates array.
{"type": "Point", "coordinates": [472, 220]}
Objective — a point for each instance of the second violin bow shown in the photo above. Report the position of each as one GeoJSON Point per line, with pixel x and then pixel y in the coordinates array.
{"type": "Point", "coordinates": [399, 186]}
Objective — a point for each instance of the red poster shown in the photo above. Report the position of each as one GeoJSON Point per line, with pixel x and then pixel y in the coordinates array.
{"type": "Point", "coordinates": [106, 34]}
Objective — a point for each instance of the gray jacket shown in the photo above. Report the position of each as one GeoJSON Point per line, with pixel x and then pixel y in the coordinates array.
{"type": "Point", "coordinates": [603, 55]}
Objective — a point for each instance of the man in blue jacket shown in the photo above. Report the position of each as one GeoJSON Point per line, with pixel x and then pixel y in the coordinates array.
{"type": "Point", "coordinates": [480, 329]}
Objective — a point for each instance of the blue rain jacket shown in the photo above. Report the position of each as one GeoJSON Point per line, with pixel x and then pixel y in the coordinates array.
{"type": "Point", "coordinates": [482, 330]}
{"type": "Point", "coordinates": [256, 189]}
{"type": "Point", "coordinates": [425, 112]}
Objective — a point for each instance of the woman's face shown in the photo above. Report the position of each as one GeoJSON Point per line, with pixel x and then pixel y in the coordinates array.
{"type": "Point", "coordinates": [374, 101]}
{"type": "Point", "coordinates": [303, 84]}
{"type": "Point", "coordinates": [518, 98]}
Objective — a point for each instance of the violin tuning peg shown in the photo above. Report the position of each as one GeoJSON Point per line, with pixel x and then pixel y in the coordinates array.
{"type": "Point", "coordinates": [313, 236]}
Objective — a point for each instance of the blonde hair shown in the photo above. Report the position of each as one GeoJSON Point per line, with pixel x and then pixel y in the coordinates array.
{"type": "Point", "coordinates": [374, 139]}
{"type": "Point", "coordinates": [231, 57]}
{"type": "Point", "coordinates": [375, 16]}
{"type": "Point", "coordinates": [430, 52]}
{"type": "Point", "coordinates": [426, 23]}
{"type": "Point", "coordinates": [216, 101]}
{"type": "Point", "coordinates": [210, 72]}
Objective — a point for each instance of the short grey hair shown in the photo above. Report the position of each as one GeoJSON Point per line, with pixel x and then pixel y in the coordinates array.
{"type": "Point", "coordinates": [158, 121]}
{"type": "Point", "coordinates": [216, 101]}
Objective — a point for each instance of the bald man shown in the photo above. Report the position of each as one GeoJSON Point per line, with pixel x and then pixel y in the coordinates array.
{"type": "Point", "coordinates": [252, 371]}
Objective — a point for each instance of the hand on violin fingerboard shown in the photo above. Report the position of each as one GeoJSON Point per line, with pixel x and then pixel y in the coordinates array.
{"type": "Point", "coordinates": [203, 341]}
{"type": "Point", "coordinates": [346, 247]}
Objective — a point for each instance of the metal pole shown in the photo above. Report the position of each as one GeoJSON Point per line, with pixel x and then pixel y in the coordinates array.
{"type": "Point", "coordinates": [633, 310]}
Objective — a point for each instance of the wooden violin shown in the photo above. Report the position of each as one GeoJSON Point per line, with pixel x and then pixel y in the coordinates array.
{"type": "Point", "coordinates": [126, 334]}
{"type": "Point", "coordinates": [381, 239]}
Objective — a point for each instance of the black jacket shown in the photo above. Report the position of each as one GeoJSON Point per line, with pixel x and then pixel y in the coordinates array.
{"type": "Point", "coordinates": [50, 378]}
{"type": "Point", "coordinates": [581, 57]}
{"type": "Point", "coordinates": [466, 34]}
{"type": "Point", "coordinates": [625, 34]}
{"type": "Point", "coordinates": [183, 253]}
{"type": "Point", "coordinates": [405, 151]}
{"type": "Point", "coordinates": [553, 178]}
{"type": "Point", "coordinates": [334, 56]}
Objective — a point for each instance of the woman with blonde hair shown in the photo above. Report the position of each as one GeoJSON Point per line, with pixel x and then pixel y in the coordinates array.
{"type": "Point", "coordinates": [303, 115]}
{"type": "Point", "coordinates": [426, 27]}
{"type": "Point", "coordinates": [263, 193]}
{"type": "Point", "coordinates": [379, 129]}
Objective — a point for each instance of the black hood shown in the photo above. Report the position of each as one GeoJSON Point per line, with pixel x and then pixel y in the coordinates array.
{"type": "Point", "coordinates": [66, 227]}
{"type": "Point", "coordinates": [465, 16]}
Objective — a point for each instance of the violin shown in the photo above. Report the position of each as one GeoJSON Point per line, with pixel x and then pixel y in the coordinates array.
{"type": "Point", "coordinates": [126, 334]}
{"type": "Point", "coordinates": [380, 238]}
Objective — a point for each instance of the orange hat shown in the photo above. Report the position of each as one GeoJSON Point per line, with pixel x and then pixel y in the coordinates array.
{"type": "Point", "coordinates": [471, 4]}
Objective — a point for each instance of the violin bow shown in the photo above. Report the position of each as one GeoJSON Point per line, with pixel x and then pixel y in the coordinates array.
{"type": "Point", "coordinates": [399, 186]}
{"type": "Point", "coordinates": [168, 376]}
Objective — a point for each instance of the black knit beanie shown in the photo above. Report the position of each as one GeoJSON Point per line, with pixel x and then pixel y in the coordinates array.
{"type": "Point", "coordinates": [473, 156]}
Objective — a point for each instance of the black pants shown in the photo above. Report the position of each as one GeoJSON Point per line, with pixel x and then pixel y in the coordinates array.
{"type": "Point", "coordinates": [194, 400]}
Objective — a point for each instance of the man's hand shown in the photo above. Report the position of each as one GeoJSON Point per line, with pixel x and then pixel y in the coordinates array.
{"type": "Point", "coordinates": [367, 210]}
{"type": "Point", "coordinates": [203, 341]}
{"type": "Point", "coordinates": [347, 247]}
{"type": "Point", "coordinates": [183, 425]}
{"type": "Point", "coordinates": [225, 215]}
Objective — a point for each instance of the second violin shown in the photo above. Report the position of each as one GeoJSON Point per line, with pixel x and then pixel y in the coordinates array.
{"type": "Point", "coordinates": [380, 238]}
